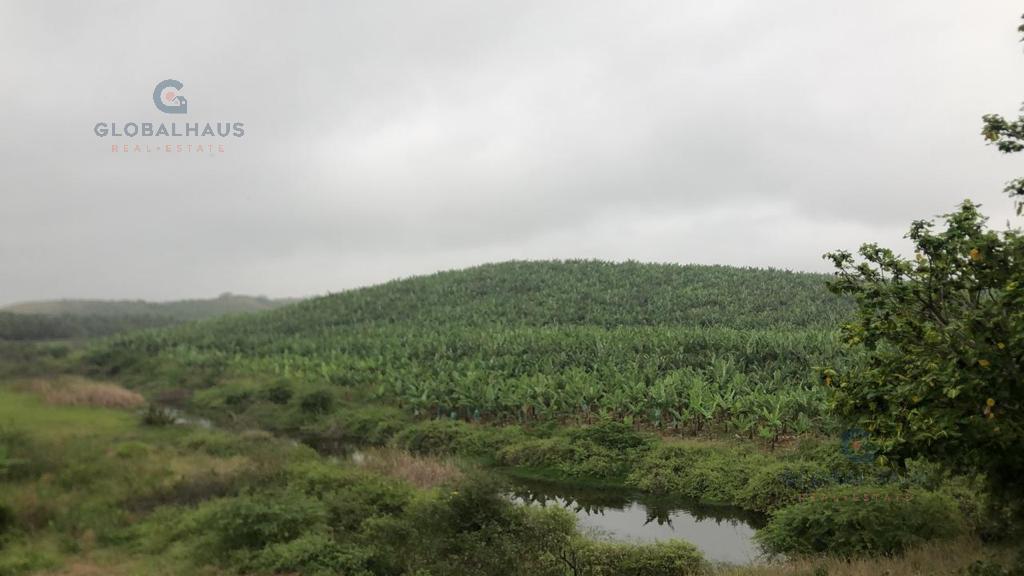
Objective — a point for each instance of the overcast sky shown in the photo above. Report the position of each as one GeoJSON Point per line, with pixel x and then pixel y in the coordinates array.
{"type": "Point", "coordinates": [386, 139]}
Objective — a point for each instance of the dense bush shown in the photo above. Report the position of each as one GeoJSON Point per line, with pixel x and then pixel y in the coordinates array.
{"type": "Point", "coordinates": [317, 402]}
{"type": "Point", "coordinates": [454, 436]}
{"type": "Point", "coordinates": [433, 437]}
{"type": "Point", "coordinates": [698, 472]}
{"type": "Point", "coordinates": [612, 435]}
{"type": "Point", "coordinates": [6, 520]}
{"type": "Point", "coordinates": [671, 558]}
{"type": "Point", "coordinates": [851, 521]}
{"type": "Point", "coordinates": [779, 484]}
{"type": "Point", "coordinates": [248, 523]}
{"type": "Point", "coordinates": [157, 416]}
{"type": "Point", "coordinates": [279, 393]}
{"type": "Point", "coordinates": [349, 424]}
{"type": "Point", "coordinates": [553, 452]}
{"type": "Point", "coordinates": [474, 531]}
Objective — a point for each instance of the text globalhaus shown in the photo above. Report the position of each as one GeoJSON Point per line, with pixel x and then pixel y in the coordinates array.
{"type": "Point", "coordinates": [143, 129]}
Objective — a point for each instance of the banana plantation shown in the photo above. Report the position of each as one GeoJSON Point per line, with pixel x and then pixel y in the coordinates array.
{"type": "Point", "coordinates": [544, 342]}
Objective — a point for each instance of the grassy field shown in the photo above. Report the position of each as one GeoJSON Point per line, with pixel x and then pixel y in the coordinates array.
{"type": "Point", "coordinates": [691, 382]}
{"type": "Point", "coordinates": [90, 490]}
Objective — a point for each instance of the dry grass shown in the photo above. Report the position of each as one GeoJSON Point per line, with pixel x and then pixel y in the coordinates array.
{"type": "Point", "coordinates": [77, 391]}
{"type": "Point", "coordinates": [936, 558]}
{"type": "Point", "coordinates": [420, 471]}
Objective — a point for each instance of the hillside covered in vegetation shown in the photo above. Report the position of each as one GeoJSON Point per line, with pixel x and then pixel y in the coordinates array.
{"type": "Point", "coordinates": [72, 319]}
{"type": "Point", "coordinates": [182, 310]}
{"type": "Point", "coordinates": [687, 347]}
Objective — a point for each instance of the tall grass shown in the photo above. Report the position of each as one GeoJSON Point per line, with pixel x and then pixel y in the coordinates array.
{"type": "Point", "coordinates": [420, 471]}
{"type": "Point", "coordinates": [77, 391]}
{"type": "Point", "coordinates": [930, 559]}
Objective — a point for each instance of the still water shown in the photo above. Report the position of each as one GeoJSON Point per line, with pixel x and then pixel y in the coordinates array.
{"type": "Point", "coordinates": [723, 534]}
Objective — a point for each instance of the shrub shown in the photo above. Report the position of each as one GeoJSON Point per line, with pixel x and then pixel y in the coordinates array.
{"type": "Point", "coordinates": [781, 483]}
{"type": "Point", "coordinates": [317, 402]}
{"type": "Point", "coordinates": [991, 568]}
{"type": "Point", "coordinates": [6, 519]}
{"type": "Point", "coordinates": [590, 460]}
{"type": "Point", "coordinates": [238, 399]}
{"type": "Point", "coordinates": [474, 530]}
{"type": "Point", "coordinates": [709, 474]}
{"type": "Point", "coordinates": [214, 442]}
{"type": "Point", "coordinates": [241, 525]}
{"type": "Point", "coordinates": [432, 437]}
{"type": "Point", "coordinates": [311, 553]}
{"type": "Point", "coordinates": [157, 416]}
{"type": "Point", "coordinates": [374, 425]}
{"type": "Point", "coordinates": [131, 450]}
{"type": "Point", "coordinates": [537, 452]}
{"type": "Point", "coordinates": [613, 435]}
{"type": "Point", "coordinates": [851, 521]}
{"type": "Point", "coordinates": [670, 558]}
{"type": "Point", "coordinates": [279, 394]}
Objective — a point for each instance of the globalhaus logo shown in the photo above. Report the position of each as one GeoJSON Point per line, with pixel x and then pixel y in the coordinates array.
{"type": "Point", "coordinates": [166, 91]}
{"type": "Point", "coordinates": [174, 137]}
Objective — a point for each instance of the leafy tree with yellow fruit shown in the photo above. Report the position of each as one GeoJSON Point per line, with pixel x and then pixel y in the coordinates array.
{"type": "Point", "coordinates": [939, 339]}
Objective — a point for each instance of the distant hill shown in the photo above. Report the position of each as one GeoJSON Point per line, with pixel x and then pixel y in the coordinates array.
{"type": "Point", "coordinates": [64, 319]}
{"type": "Point", "coordinates": [182, 310]}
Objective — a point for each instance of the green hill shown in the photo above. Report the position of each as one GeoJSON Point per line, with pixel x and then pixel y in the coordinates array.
{"type": "Point", "coordinates": [65, 319]}
{"type": "Point", "coordinates": [182, 310]}
{"type": "Point", "coordinates": [528, 340]}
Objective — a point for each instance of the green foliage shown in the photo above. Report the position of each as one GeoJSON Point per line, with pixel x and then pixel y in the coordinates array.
{"type": "Point", "coordinates": [671, 558]}
{"type": "Point", "coordinates": [854, 521]}
{"type": "Point", "coordinates": [67, 319]}
{"type": "Point", "coordinates": [455, 437]}
{"type": "Point", "coordinates": [180, 310]}
{"type": "Point", "coordinates": [691, 349]}
{"type": "Point", "coordinates": [992, 568]}
{"type": "Point", "coordinates": [6, 521]}
{"type": "Point", "coordinates": [318, 402]}
{"type": "Point", "coordinates": [1008, 137]}
{"type": "Point", "coordinates": [433, 437]}
{"type": "Point", "coordinates": [157, 416]}
{"type": "Point", "coordinates": [238, 526]}
{"type": "Point", "coordinates": [780, 484]}
{"type": "Point", "coordinates": [943, 335]}
{"type": "Point", "coordinates": [473, 530]}
{"type": "Point", "coordinates": [279, 393]}
{"type": "Point", "coordinates": [32, 327]}
{"type": "Point", "coordinates": [356, 424]}
{"type": "Point", "coordinates": [698, 472]}
{"type": "Point", "coordinates": [612, 435]}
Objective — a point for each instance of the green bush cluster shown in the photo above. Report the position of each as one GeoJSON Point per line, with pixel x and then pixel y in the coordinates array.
{"type": "Point", "coordinates": [709, 474]}
{"type": "Point", "coordinates": [605, 451]}
{"type": "Point", "coordinates": [741, 476]}
{"type": "Point", "coordinates": [852, 521]}
{"type": "Point", "coordinates": [670, 558]}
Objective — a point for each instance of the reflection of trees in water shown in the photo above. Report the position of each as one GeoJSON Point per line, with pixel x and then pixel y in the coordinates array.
{"type": "Point", "coordinates": [570, 502]}
{"type": "Point", "coordinates": [660, 510]}
{"type": "Point", "coordinates": [594, 501]}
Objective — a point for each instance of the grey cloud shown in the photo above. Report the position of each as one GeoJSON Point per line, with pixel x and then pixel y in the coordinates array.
{"type": "Point", "coordinates": [391, 138]}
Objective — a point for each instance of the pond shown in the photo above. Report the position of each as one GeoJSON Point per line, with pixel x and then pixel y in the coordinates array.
{"type": "Point", "coordinates": [723, 534]}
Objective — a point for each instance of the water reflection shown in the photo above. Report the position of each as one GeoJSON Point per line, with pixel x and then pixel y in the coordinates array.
{"type": "Point", "coordinates": [722, 533]}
